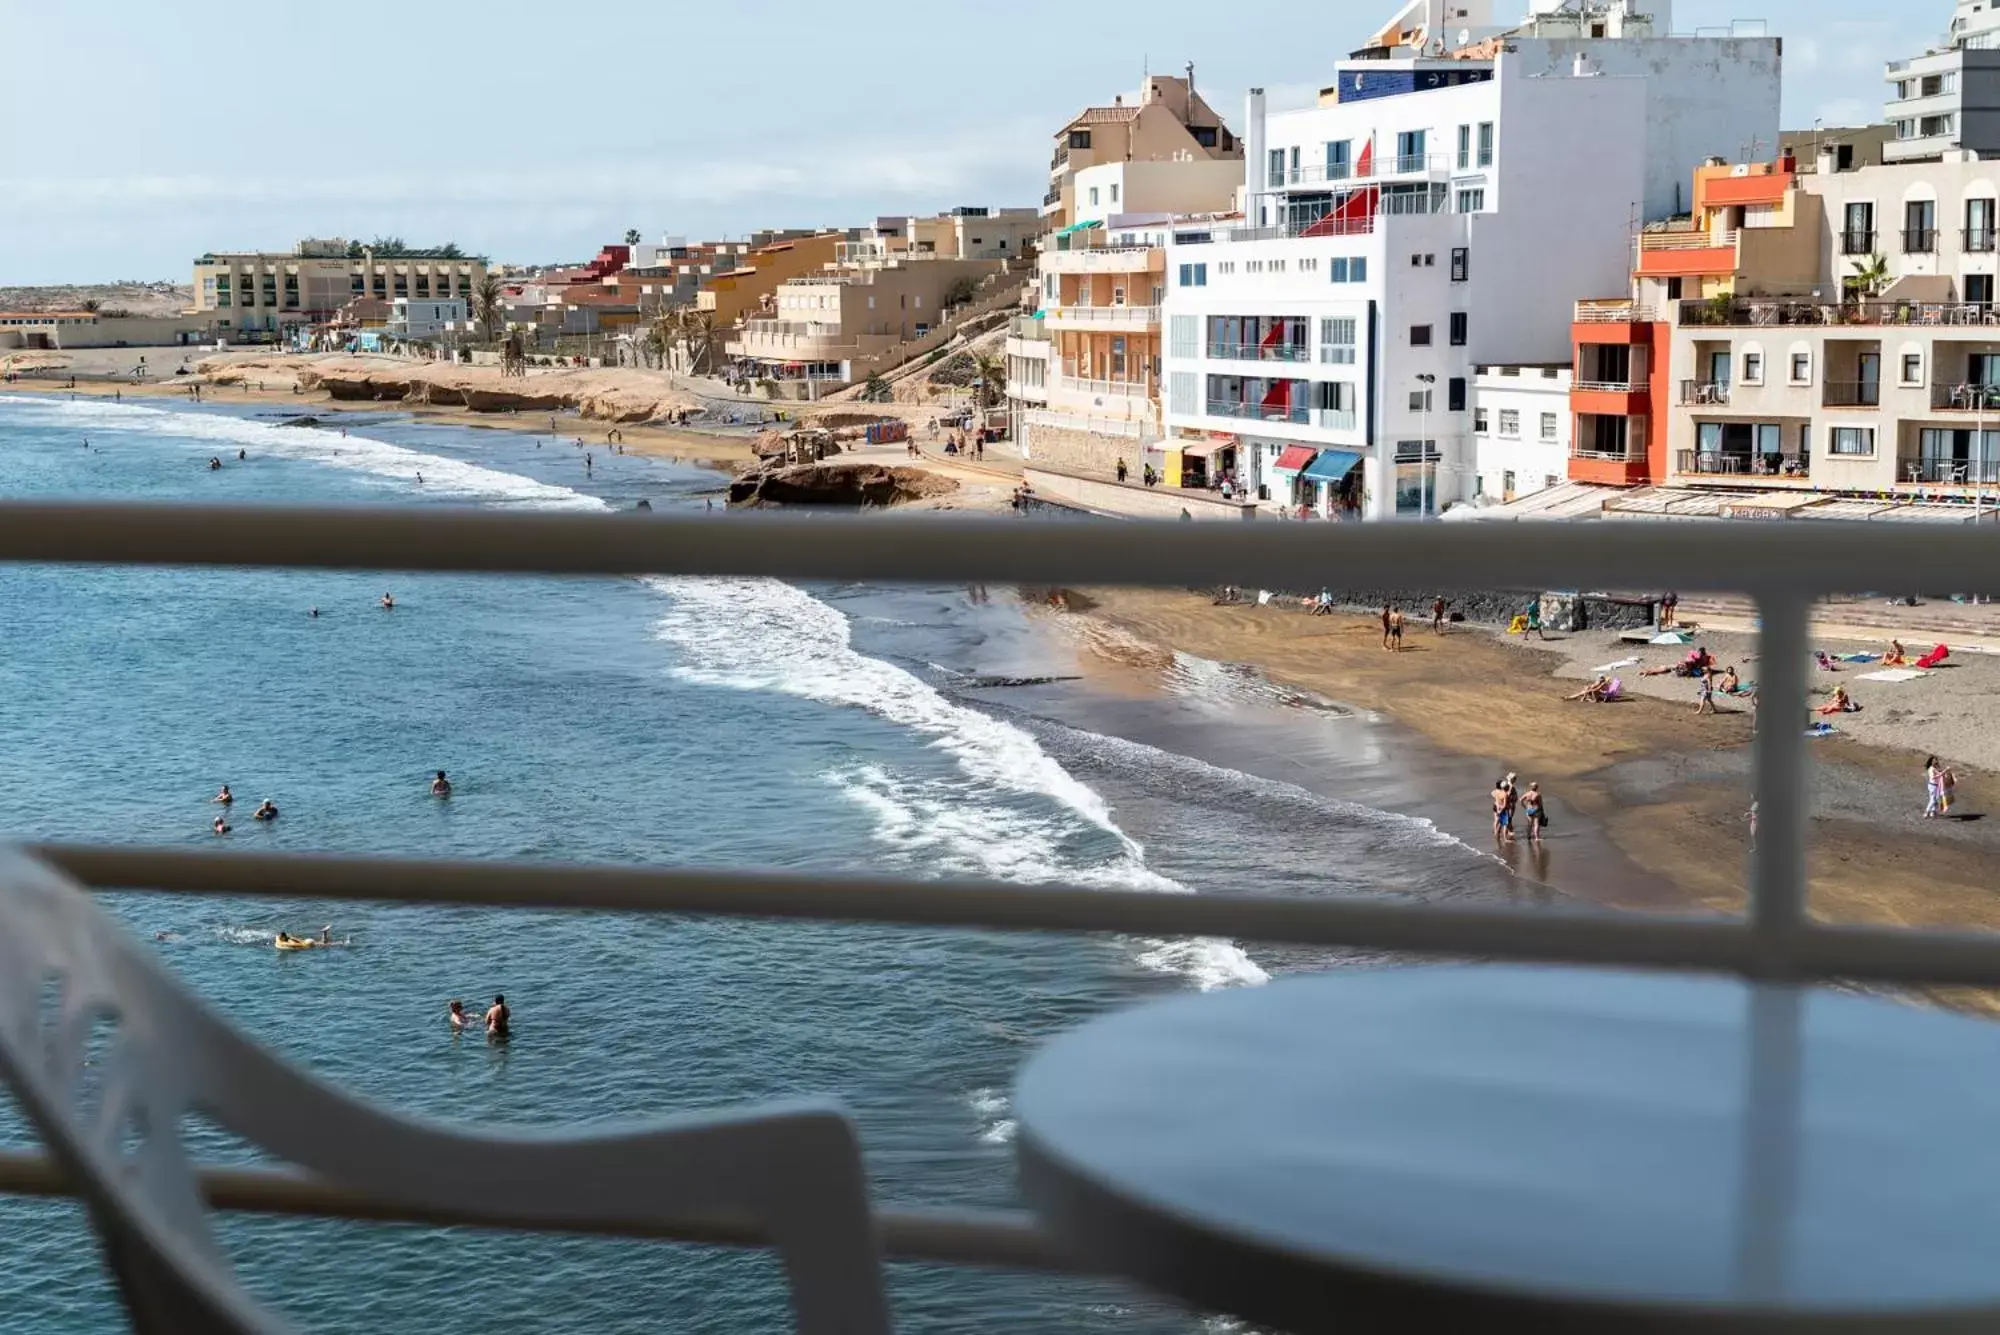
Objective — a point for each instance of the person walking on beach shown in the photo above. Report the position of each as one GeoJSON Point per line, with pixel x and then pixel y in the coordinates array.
{"type": "Point", "coordinates": [496, 1018]}
{"type": "Point", "coordinates": [1535, 619]}
{"type": "Point", "coordinates": [1396, 632]}
{"type": "Point", "coordinates": [1933, 788]}
{"type": "Point", "coordinates": [1705, 704]}
{"type": "Point", "coordinates": [1387, 611]}
{"type": "Point", "coordinates": [1503, 812]}
{"type": "Point", "coordinates": [1535, 812]}
{"type": "Point", "coordinates": [1437, 615]}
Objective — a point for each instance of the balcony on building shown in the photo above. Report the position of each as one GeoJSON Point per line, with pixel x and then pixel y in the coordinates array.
{"type": "Point", "coordinates": [1088, 248]}
{"type": "Point", "coordinates": [1965, 454]}
{"type": "Point", "coordinates": [1764, 312]}
{"type": "Point", "coordinates": [1686, 251]}
{"type": "Point", "coordinates": [1117, 316]}
{"type": "Point", "coordinates": [1965, 376]}
{"type": "Point", "coordinates": [1774, 452]}
{"type": "Point", "coordinates": [1278, 399]}
{"type": "Point", "coordinates": [1851, 373]}
{"type": "Point", "coordinates": [1611, 379]}
{"type": "Point", "coordinates": [1258, 338]}
{"type": "Point", "coordinates": [1609, 450]}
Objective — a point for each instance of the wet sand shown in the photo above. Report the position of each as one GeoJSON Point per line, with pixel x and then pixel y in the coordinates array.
{"type": "Point", "coordinates": [1669, 789]}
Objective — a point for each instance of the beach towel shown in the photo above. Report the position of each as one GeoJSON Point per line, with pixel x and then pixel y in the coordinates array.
{"type": "Point", "coordinates": [1934, 657]}
{"type": "Point", "coordinates": [1856, 658]}
{"type": "Point", "coordinates": [1821, 730]}
{"type": "Point", "coordinates": [1892, 674]}
{"type": "Point", "coordinates": [1672, 637]}
{"type": "Point", "coordinates": [1613, 667]}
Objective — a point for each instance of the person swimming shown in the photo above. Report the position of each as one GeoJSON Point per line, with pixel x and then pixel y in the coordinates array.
{"type": "Point", "coordinates": [220, 826]}
{"type": "Point", "coordinates": [440, 786]}
{"type": "Point", "coordinates": [388, 602]}
{"type": "Point", "coordinates": [214, 463]}
{"type": "Point", "coordinates": [242, 455]}
{"type": "Point", "coordinates": [266, 810]}
{"type": "Point", "coordinates": [313, 613]}
{"type": "Point", "coordinates": [460, 1021]}
{"type": "Point", "coordinates": [225, 796]}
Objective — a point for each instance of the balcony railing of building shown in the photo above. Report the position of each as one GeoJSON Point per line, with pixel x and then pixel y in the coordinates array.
{"type": "Point", "coordinates": [1391, 164]}
{"type": "Point", "coordinates": [1976, 240]}
{"type": "Point", "coordinates": [1121, 315]}
{"type": "Point", "coordinates": [1053, 197]}
{"type": "Point", "coordinates": [1774, 941]}
{"type": "Point", "coordinates": [1620, 456]}
{"type": "Point", "coordinates": [1028, 327]}
{"type": "Point", "coordinates": [1113, 258]}
{"type": "Point", "coordinates": [1260, 352]}
{"type": "Point", "coordinates": [1257, 412]}
{"type": "Point", "coordinates": [1676, 239]}
{"type": "Point", "coordinates": [1613, 312]}
{"type": "Point", "coordinates": [1962, 397]}
{"type": "Point", "coordinates": [1721, 463]}
{"type": "Point", "coordinates": [1919, 240]}
{"type": "Point", "coordinates": [1728, 312]}
{"type": "Point", "coordinates": [1336, 419]}
{"type": "Point", "coordinates": [1103, 426]}
{"type": "Point", "coordinates": [1949, 471]}
{"type": "Point", "coordinates": [1703, 393]}
{"type": "Point", "coordinates": [1857, 243]}
{"type": "Point", "coordinates": [1610, 386]}
{"type": "Point", "coordinates": [1115, 389]}
{"type": "Point", "coordinates": [1852, 394]}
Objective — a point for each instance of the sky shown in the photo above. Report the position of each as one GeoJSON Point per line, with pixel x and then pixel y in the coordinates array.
{"type": "Point", "coordinates": [136, 134]}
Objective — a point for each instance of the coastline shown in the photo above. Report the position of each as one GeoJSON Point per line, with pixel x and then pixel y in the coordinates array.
{"type": "Point", "coordinates": [1669, 789]}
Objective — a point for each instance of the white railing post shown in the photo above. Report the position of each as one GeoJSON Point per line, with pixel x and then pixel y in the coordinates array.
{"type": "Point", "coordinates": [1777, 903]}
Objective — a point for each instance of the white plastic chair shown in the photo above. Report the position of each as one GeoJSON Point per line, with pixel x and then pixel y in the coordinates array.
{"type": "Point", "coordinates": [794, 1169]}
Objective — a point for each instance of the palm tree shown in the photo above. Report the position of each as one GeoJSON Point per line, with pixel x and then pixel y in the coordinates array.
{"type": "Point", "coordinates": [486, 304]}
{"type": "Point", "coordinates": [91, 304]}
{"type": "Point", "coordinates": [631, 236]}
{"type": "Point", "coordinates": [992, 378]}
{"type": "Point", "coordinates": [1870, 276]}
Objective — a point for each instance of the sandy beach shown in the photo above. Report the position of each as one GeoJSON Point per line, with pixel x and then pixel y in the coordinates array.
{"type": "Point", "coordinates": [1670, 789]}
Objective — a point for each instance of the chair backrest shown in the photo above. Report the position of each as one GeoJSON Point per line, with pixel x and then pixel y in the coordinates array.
{"type": "Point", "coordinates": [796, 1168]}
{"type": "Point", "coordinates": [112, 1118]}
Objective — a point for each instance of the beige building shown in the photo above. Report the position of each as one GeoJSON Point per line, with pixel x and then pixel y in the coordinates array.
{"type": "Point", "coordinates": [253, 294]}
{"type": "Point", "coordinates": [96, 329]}
{"type": "Point", "coordinates": [1167, 121]}
{"type": "Point", "coordinates": [743, 291]}
{"type": "Point", "coordinates": [1086, 375]}
{"type": "Point", "coordinates": [1875, 373]}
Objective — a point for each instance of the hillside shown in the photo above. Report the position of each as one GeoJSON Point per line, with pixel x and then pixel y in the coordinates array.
{"type": "Point", "coordinates": [135, 298]}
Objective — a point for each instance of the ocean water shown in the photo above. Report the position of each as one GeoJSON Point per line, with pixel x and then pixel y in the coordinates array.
{"type": "Point", "coordinates": [673, 722]}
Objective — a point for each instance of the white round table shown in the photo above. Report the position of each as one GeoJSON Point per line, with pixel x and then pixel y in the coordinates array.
{"type": "Point", "coordinates": [1497, 1148]}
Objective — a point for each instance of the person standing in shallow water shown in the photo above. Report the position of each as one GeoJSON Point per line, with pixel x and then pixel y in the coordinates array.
{"type": "Point", "coordinates": [440, 786]}
{"type": "Point", "coordinates": [497, 1017]}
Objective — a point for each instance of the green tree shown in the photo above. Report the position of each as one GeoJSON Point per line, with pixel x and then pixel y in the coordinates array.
{"type": "Point", "coordinates": [1870, 276]}
{"type": "Point", "coordinates": [486, 304]}
{"type": "Point", "coordinates": [960, 290]}
{"type": "Point", "coordinates": [992, 378]}
{"type": "Point", "coordinates": [631, 236]}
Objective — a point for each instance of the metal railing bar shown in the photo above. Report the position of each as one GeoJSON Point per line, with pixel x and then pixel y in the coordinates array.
{"type": "Point", "coordinates": [1715, 555]}
{"type": "Point", "coordinates": [1003, 1238]}
{"type": "Point", "coordinates": [1706, 943]}
{"type": "Point", "coordinates": [1777, 862]}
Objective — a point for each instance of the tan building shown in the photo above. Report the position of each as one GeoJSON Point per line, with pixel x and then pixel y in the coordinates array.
{"type": "Point", "coordinates": [253, 294]}
{"type": "Point", "coordinates": [96, 329]}
{"type": "Point", "coordinates": [744, 290]}
{"type": "Point", "coordinates": [1167, 121]}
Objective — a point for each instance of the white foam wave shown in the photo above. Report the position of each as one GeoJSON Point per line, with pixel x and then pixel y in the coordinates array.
{"type": "Point", "coordinates": [244, 936]}
{"type": "Point", "coordinates": [448, 478]}
{"type": "Point", "coordinates": [990, 1107]}
{"type": "Point", "coordinates": [944, 829]}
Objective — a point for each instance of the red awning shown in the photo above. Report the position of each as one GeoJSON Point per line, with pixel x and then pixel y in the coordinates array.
{"type": "Point", "coordinates": [1295, 457]}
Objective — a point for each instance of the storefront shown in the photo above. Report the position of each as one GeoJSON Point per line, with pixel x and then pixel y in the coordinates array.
{"type": "Point", "coordinates": [1335, 479]}
{"type": "Point", "coordinates": [1283, 483]}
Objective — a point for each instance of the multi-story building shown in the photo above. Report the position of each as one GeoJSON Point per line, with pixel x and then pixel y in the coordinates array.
{"type": "Point", "coordinates": [1167, 121]}
{"type": "Point", "coordinates": [1521, 429]}
{"type": "Point", "coordinates": [256, 293]}
{"type": "Point", "coordinates": [1442, 208]}
{"type": "Point", "coordinates": [1948, 98]}
{"type": "Point", "coordinates": [1102, 280]}
{"type": "Point", "coordinates": [425, 321]}
{"type": "Point", "coordinates": [741, 289]}
{"type": "Point", "coordinates": [889, 294]}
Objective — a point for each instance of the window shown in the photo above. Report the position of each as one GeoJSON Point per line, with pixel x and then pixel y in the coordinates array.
{"type": "Point", "coordinates": [1093, 194]}
{"type": "Point", "coordinates": [1461, 263]}
{"type": "Point", "coordinates": [1079, 139]}
{"type": "Point", "coordinates": [1114, 200]}
{"type": "Point", "coordinates": [1464, 147]}
{"type": "Point", "coordinates": [1194, 275]}
{"type": "Point", "coordinates": [1913, 368]}
{"type": "Point", "coordinates": [1309, 265]}
{"type": "Point", "coordinates": [1337, 160]}
{"type": "Point", "coordinates": [1410, 151]}
{"type": "Point", "coordinates": [1472, 201]}
{"type": "Point", "coordinates": [1336, 270]}
{"type": "Point", "coordinates": [1334, 396]}
{"type": "Point", "coordinates": [1420, 336]}
{"type": "Point", "coordinates": [1183, 335]}
{"type": "Point", "coordinates": [1979, 224]}
{"type": "Point", "coordinates": [1277, 159]}
{"type": "Point", "coordinates": [1753, 368]}
{"type": "Point", "coordinates": [1357, 269]}
{"type": "Point", "coordinates": [1420, 400]}
{"type": "Point", "coordinates": [1510, 423]}
{"type": "Point", "coordinates": [1336, 341]}
{"type": "Point", "coordinates": [1417, 260]}
{"type": "Point", "coordinates": [1801, 368]}
{"type": "Point", "coordinates": [1486, 143]}
{"type": "Point", "coordinates": [1430, 260]}
{"type": "Point", "coordinates": [1459, 320]}
{"type": "Point", "coordinates": [1548, 426]}
{"type": "Point", "coordinates": [1481, 422]}
{"type": "Point", "coordinates": [1180, 393]}
{"type": "Point", "coordinates": [1277, 266]}
{"type": "Point", "coordinates": [1919, 226]}
{"type": "Point", "coordinates": [1851, 440]}
{"type": "Point", "coordinates": [1454, 398]}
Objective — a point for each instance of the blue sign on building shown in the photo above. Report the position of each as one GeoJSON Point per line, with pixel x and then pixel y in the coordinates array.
{"type": "Point", "coordinates": [1365, 85]}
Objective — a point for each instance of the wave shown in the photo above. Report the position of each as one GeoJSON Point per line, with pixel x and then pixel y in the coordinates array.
{"type": "Point", "coordinates": [990, 1107]}
{"type": "Point", "coordinates": [444, 477]}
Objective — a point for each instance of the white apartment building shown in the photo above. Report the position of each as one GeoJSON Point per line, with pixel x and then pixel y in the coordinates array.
{"type": "Point", "coordinates": [1949, 97]}
{"type": "Point", "coordinates": [426, 320]}
{"type": "Point", "coordinates": [1432, 215]}
{"type": "Point", "coordinates": [1521, 429]}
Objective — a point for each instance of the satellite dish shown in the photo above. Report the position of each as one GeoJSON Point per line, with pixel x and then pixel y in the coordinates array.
{"type": "Point", "coordinates": [1465, 37]}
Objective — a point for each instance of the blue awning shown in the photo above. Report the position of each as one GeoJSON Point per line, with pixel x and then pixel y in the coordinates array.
{"type": "Point", "coordinates": [1331, 466]}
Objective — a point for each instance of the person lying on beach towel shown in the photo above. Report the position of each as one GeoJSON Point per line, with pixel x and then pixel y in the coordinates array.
{"type": "Point", "coordinates": [1840, 704]}
{"type": "Point", "coordinates": [1825, 664]}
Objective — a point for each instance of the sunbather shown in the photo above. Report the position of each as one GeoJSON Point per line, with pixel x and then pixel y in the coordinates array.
{"type": "Point", "coordinates": [1895, 657]}
{"type": "Point", "coordinates": [1825, 664]}
{"type": "Point", "coordinates": [1840, 704]}
{"type": "Point", "coordinates": [1598, 691]}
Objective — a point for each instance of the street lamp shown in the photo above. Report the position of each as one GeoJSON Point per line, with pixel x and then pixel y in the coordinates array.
{"type": "Point", "coordinates": [1424, 449]}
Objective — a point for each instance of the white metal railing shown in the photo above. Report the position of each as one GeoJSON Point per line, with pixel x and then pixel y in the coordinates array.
{"type": "Point", "coordinates": [1137, 428]}
{"type": "Point", "coordinates": [1120, 315]}
{"type": "Point", "coordinates": [1609, 386]}
{"type": "Point", "coordinates": [1782, 569]}
{"type": "Point", "coordinates": [1613, 312]}
{"type": "Point", "coordinates": [1116, 389]}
